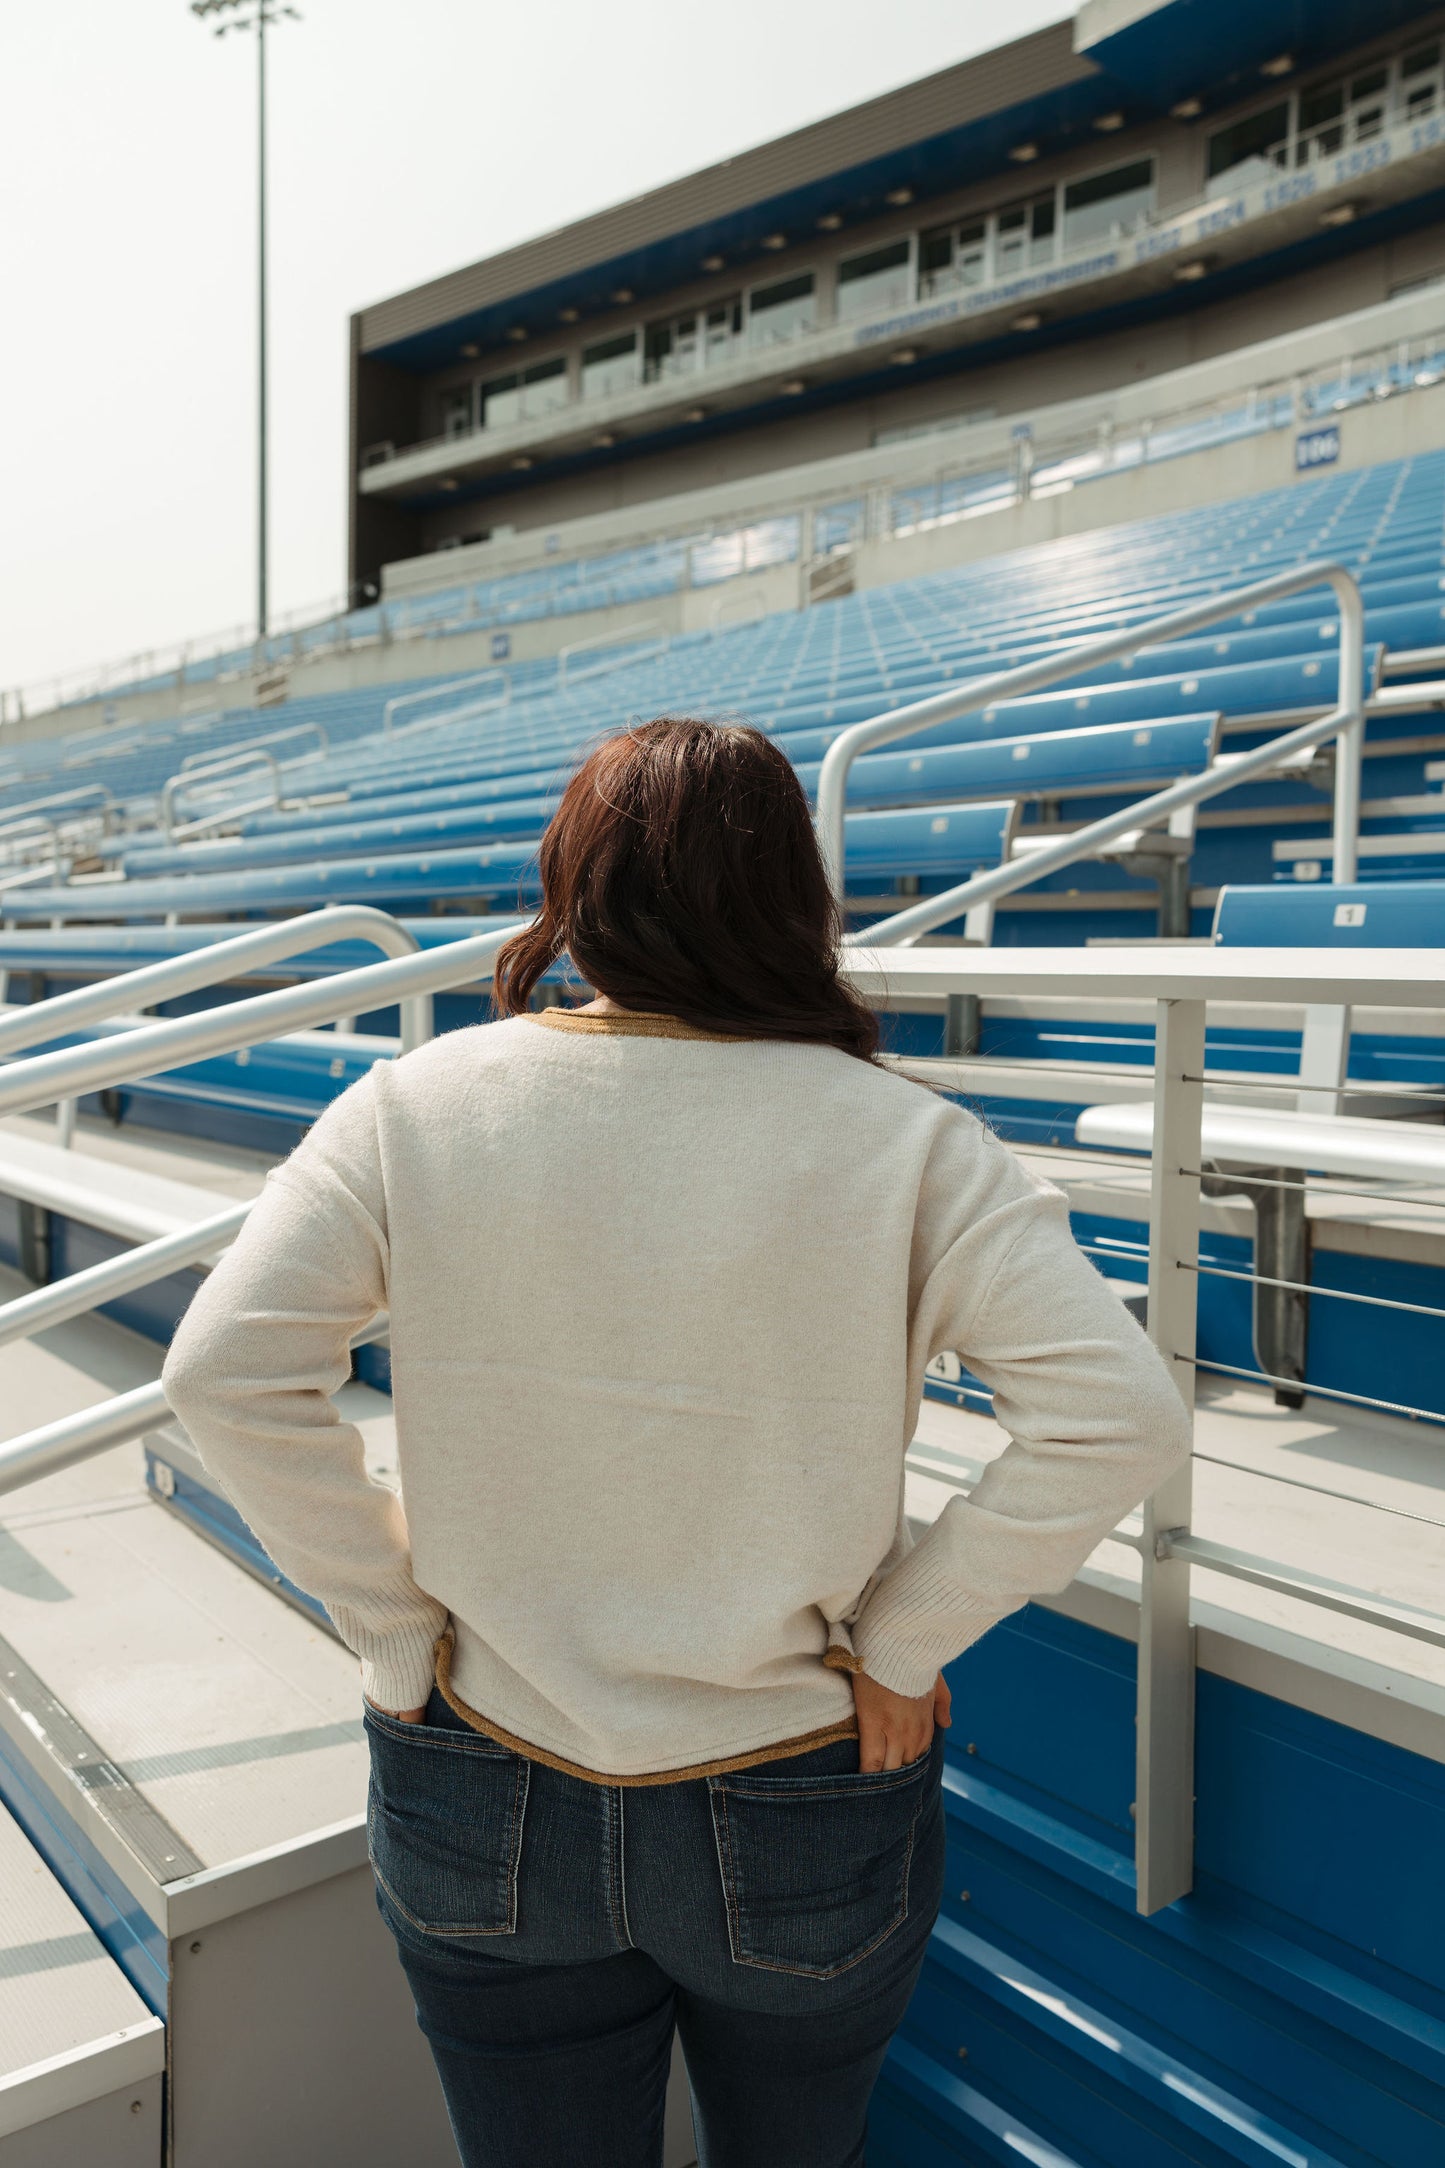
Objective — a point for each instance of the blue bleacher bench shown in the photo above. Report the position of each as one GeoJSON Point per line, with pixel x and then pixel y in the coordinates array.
{"type": "Point", "coordinates": [1109, 756]}
{"type": "Point", "coordinates": [938, 840]}
{"type": "Point", "coordinates": [1387, 914]}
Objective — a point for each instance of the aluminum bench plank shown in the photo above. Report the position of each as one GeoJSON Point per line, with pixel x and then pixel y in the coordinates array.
{"type": "Point", "coordinates": [1261, 1137]}
{"type": "Point", "coordinates": [99, 1192]}
{"type": "Point", "coordinates": [1399, 978]}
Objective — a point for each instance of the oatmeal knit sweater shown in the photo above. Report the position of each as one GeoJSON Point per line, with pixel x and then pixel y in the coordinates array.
{"type": "Point", "coordinates": [660, 1306]}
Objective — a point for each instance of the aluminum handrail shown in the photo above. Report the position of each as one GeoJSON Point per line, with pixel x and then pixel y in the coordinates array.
{"type": "Point", "coordinates": [1081, 843]}
{"type": "Point", "coordinates": [436, 692]}
{"type": "Point", "coordinates": [78, 1437]}
{"type": "Point", "coordinates": [206, 824]}
{"type": "Point", "coordinates": [271, 737]}
{"type": "Point", "coordinates": [102, 791]}
{"type": "Point", "coordinates": [31, 876]}
{"type": "Point", "coordinates": [258, 744]}
{"type": "Point", "coordinates": [565, 674]}
{"type": "Point", "coordinates": [28, 824]}
{"type": "Point", "coordinates": [95, 1430]}
{"type": "Point", "coordinates": [69, 1072]}
{"type": "Point", "coordinates": [1347, 718]}
{"type": "Point", "coordinates": [217, 767]}
{"type": "Point", "coordinates": [80, 1292]}
{"type": "Point", "coordinates": [219, 961]}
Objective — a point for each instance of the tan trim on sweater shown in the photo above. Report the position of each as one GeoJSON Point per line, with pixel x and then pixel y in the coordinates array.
{"type": "Point", "coordinates": [633, 1025]}
{"type": "Point", "coordinates": [776, 1750]}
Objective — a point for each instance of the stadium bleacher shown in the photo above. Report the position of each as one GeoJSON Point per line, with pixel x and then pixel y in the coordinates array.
{"type": "Point", "coordinates": [446, 814]}
{"type": "Point", "coordinates": [443, 813]}
{"type": "Point", "coordinates": [633, 574]}
{"type": "Point", "coordinates": [1039, 1958]}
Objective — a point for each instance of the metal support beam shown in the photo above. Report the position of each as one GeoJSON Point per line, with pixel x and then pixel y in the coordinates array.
{"type": "Point", "coordinates": [1324, 1059]}
{"type": "Point", "coordinates": [962, 1026]}
{"type": "Point", "coordinates": [1164, 1745]}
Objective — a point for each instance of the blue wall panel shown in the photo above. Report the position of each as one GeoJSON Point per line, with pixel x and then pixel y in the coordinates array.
{"type": "Point", "coordinates": [1292, 2008]}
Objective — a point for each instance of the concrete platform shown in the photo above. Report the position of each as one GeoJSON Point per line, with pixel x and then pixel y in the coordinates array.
{"type": "Point", "coordinates": [1345, 1494]}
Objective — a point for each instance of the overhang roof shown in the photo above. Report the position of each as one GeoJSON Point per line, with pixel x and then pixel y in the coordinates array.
{"type": "Point", "coordinates": [1163, 50]}
{"type": "Point", "coordinates": [932, 137]}
{"type": "Point", "coordinates": [941, 133]}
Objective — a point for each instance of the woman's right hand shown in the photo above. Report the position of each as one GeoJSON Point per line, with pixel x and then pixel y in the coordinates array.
{"type": "Point", "coordinates": [897, 1728]}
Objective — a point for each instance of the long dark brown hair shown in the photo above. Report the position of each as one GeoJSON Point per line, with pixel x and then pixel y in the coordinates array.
{"type": "Point", "coordinates": [681, 874]}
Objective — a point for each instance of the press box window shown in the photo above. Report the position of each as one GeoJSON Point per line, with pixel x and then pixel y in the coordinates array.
{"type": "Point", "coordinates": [955, 256]}
{"type": "Point", "coordinates": [610, 365]}
{"type": "Point", "coordinates": [722, 330]}
{"type": "Point", "coordinates": [1108, 203]}
{"type": "Point", "coordinates": [1420, 79]}
{"type": "Point", "coordinates": [1262, 136]}
{"type": "Point", "coordinates": [883, 279]}
{"type": "Point", "coordinates": [780, 311]}
{"type": "Point", "coordinates": [1024, 236]}
{"type": "Point", "coordinates": [457, 412]}
{"type": "Point", "coordinates": [1332, 115]}
{"type": "Point", "coordinates": [689, 342]}
{"type": "Point", "coordinates": [524, 394]}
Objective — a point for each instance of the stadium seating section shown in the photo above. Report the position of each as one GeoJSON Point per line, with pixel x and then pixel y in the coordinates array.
{"type": "Point", "coordinates": [444, 807]}
{"type": "Point", "coordinates": [638, 573]}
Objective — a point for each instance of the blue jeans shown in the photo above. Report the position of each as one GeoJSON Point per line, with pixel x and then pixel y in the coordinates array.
{"type": "Point", "coordinates": [554, 1932]}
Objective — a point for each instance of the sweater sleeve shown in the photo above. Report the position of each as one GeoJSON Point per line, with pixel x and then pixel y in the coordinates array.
{"type": "Point", "coordinates": [1094, 1420]}
{"type": "Point", "coordinates": [251, 1372]}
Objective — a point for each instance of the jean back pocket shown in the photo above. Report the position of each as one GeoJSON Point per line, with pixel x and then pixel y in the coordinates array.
{"type": "Point", "coordinates": [444, 1822]}
{"type": "Point", "coordinates": [815, 1868]}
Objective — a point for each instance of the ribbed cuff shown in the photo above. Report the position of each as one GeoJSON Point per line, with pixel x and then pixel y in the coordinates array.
{"type": "Point", "coordinates": [915, 1622]}
{"type": "Point", "coordinates": [398, 1663]}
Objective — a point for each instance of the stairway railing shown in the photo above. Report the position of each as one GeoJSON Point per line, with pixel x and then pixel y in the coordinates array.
{"type": "Point", "coordinates": [1345, 722]}
{"type": "Point", "coordinates": [42, 1079]}
{"type": "Point", "coordinates": [213, 965]}
{"type": "Point", "coordinates": [173, 1042]}
{"type": "Point", "coordinates": [468, 708]}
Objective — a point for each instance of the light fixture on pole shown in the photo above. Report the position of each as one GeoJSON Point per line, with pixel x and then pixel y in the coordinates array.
{"type": "Point", "coordinates": [260, 16]}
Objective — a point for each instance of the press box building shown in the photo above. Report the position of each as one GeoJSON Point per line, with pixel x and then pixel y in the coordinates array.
{"type": "Point", "coordinates": [1086, 208]}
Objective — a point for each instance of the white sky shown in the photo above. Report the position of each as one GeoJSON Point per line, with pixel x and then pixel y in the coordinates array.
{"type": "Point", "coordinates": [408, 137]}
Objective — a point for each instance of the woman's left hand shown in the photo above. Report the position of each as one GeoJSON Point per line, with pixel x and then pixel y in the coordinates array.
{"type": "Point", "coordinates": [402, 1716]}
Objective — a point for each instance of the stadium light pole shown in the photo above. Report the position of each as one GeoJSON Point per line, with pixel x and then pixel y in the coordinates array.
{"type": "Point", "coordinates": [260, 16]}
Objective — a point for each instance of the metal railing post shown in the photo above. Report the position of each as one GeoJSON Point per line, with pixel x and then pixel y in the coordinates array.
{"type": "Point", "coordinates": [1350, 745]}
{"type": "Point", "coordinates": [1164, 1737]}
